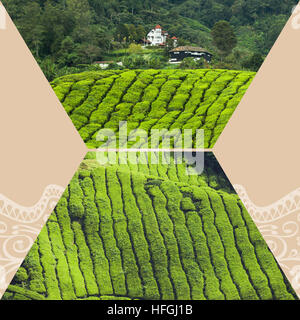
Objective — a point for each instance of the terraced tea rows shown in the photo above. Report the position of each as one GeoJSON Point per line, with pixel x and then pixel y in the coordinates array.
{"type": "Point", "coordinates": [149, 232]}
{"type": "Point", "coordinates": [152, 99]}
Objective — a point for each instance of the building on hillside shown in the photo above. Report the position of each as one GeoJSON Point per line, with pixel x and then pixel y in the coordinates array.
{"type": "Point", "coordinates": [175, 40]}
{"type": "Point", "coordinates": [179, 53]}
{"type": "Point", "coordinates": [158, 37]}
{"type": "Point", "coordinates": [105, 64]}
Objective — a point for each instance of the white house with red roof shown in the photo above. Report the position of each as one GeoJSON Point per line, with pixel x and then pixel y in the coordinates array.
{"type": "Point", "coordinates": [158, 36]}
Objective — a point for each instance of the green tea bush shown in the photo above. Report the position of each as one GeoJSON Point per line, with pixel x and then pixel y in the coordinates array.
{"type": "Point", "coordinates": [217, 251]}
{"type": "Point", "coordinates": [143, 98]}
{"type": "Point", "coordinates": [86, 263]}
{"type": "Point", "coordinates": [49, 266]}
{"type": "Point", "coordinates": [155, 239]}
{"type": "Point", "coordinates": [232, 252]}
{"type": "Point", "coordinates": [129, 262]}
{"type": "Point", "coordinates": [149, 231]}
{"type": "Point", "coordinates": [269, 265]}
{"type": "Point", "coordinates": [64, 222]}
{"type": "Point", "coordinates": [21, 275]}
{"type": "Point", "coordinates": [190, 279]}
{"type": "Point", "coordinates": [107, 232]}
{"type": "Point", "coordinates": [62, 268]}
{"type": "Point", "coordinates": [139, 242]}
{"type": "Point", "coordinates": [76, 209]}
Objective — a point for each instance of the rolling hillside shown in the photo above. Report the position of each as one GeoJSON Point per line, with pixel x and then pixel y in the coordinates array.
{"type": "Point", "coordinates": [152, 99]}
{"type": "Point", "coordinates": [67, 34]}
{"type": "Point", "coordinates": [149, 232]}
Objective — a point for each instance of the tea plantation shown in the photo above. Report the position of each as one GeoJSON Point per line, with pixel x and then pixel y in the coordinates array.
{"type": "Point", "coordinates": [149, 232]}
{"type": "Point", "coordinates": [152, 99]}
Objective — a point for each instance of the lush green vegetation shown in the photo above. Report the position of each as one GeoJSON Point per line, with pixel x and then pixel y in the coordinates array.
{"type": "Point", "coordinates": [149, 232]}
{"type": "Point", "coordinates": [66, 36]}
{"type": "Point", "coordinates": [152, 99]}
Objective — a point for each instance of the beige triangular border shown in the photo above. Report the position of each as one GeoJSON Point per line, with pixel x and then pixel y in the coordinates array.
{"type": "Point", "coordinates": [259, 151]}
{"type": "Point", "coordinates": [40, 150]}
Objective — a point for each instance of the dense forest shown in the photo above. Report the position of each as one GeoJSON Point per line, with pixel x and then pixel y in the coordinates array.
{"type": "Point", "coordinates": [69, 33]}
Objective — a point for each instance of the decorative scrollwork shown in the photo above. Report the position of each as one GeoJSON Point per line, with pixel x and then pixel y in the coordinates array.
{"type": "Point", "coordinates": [283, 207]}
{"type": "Point", "coordinates": [32, 214]}
{"type": "Point", "coordinates": [19, 227]}
{"type": "Point", "coordinates": [279, 224]}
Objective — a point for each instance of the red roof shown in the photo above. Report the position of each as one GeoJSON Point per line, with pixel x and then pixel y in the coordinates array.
{"type": "Point", "coordinates": [158, 27]}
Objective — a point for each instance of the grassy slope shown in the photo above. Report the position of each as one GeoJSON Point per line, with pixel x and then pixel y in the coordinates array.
{"type": "Point", "coordinates": [149, 232]}
{"type": "Point", "coordinates": [152, 99]}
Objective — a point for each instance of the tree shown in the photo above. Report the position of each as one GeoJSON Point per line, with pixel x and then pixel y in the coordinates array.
{"type": "Point", "coordinates": [132, 32]}
{"type": "Point", "coordinates": [134, 61]}
{"type": "Point", "coordinates": [122, 33]}
{"type": "Point", "coordinates": [58, 24]}
{"type": "Point", "coordinates": [154, 62]}
{"type": "Point", "coordinates": [224, 37]}
{"type": "Point", "coordinates": [81, 12]}
{"type": "Point", "coordinates": [181, 42]}
{"type": "Point", "coordinates": [31, 27]}
{"type": "Point", "coordinates": [190, 63]}
{"type": "Point", "coordinates": [254, 62]}
{"type": "Point", "coordinates": [82, 17]}
{"type": "Point", "coordinates": [135, 48]}
{"type": "Point", "coordinates": [89, 52]}
{"type": "Point", "coordinates": [49, 68]}
{"type": "Point", "coordinates": [140, 33]}
{"type": "Point", "coordinates": [61, 29]}
{"type": "Point", "coordinates": [67, 55]}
